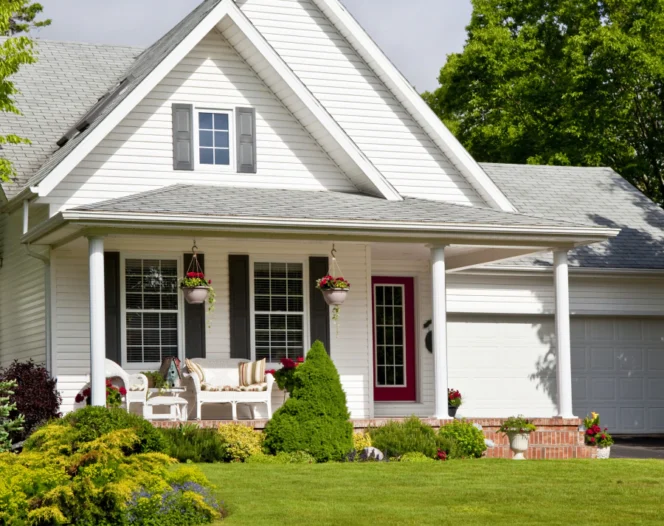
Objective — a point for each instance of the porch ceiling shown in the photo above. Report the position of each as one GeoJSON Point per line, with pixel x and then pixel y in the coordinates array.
{"type": "Point", "coordinates": [216, 210]}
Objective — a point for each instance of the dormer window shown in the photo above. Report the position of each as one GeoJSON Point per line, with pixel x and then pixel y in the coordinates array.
{"type": "Point", "coordinates": [214, 138]}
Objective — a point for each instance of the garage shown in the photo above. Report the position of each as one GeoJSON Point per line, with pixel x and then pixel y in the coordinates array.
{"type": "Point", "coordinates": [507, 365]}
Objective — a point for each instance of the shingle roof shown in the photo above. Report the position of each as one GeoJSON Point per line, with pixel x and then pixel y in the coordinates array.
{"type": "Point", "coordinates": [298, 204]}
{"type": "Point", "coordinates": [66, 81]}
{"type": "Point", "coordinates": [594, 196]}
{"type": "Point", "coordinates": [134, 71]}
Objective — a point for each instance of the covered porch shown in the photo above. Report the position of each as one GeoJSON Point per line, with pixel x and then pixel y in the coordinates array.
{"type": "Point", "coordinates": [399, 257]}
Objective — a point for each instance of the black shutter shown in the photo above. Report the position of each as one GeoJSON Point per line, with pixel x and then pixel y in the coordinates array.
{"type": "Point", "coordinates": [319, 310]}
{"type": "Point", "coordinates": [183, 137]}
{"type": "Point", "coordinates": [194, 319]}
{"type": "Point", "coordinates": [113, 310]}
{"type": "Point", "coordinates": [239, 306]}
{"type": "Point", "coordinates": [246, 140]}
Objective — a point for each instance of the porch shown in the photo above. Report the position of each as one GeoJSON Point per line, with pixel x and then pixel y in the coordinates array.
{"type": "Point", "coordinates": [414, 247]}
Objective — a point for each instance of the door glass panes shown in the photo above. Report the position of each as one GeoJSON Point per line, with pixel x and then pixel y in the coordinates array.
{"type": "Point", "coordinates": [279, 310]}
{"type": "Point", "coordinates": [151, 306]}
{"type": "Point", "coordinates": [390, 336]}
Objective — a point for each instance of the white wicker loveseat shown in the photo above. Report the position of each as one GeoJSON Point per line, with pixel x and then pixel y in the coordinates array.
{"type": "Point", "coordinates": [135, 384]}
{"type": "Point", "coordinates": [222, 386]}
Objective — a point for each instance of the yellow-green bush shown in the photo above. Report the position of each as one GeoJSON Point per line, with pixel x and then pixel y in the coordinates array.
{"type": "Point", "coordinates": [361, 441]}
{"type": "Point", "coordinates": [240, 441]}
{"type": "Point", "coordinates": [98, 482]}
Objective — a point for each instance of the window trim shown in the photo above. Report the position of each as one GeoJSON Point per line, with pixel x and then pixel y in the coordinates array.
{"type": "Point", "coordinates": [306, 332]}
{"type": "Point", "coordinates": [232, 140]}
{"type": "Point", "coordinates": [147, 366]}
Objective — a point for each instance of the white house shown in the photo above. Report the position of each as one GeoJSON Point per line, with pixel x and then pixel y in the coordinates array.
{"type": "Point", "coordinates": [268, 131]}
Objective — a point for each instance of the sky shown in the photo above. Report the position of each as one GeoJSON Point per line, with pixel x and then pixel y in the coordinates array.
{"type": "Point", "coordinates": [417, 35]}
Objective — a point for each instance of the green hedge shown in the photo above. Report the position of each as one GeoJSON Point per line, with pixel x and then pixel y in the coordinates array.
{"type": "Point", "coordinates": [469, 440]}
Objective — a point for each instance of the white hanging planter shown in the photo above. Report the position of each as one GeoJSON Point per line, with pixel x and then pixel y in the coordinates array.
{"type": "Point", "coordinates": [196, 295]}
{"type": "Point", "coordinates": [335, 297]}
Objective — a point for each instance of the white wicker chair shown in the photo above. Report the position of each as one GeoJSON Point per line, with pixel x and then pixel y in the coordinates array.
{"type": "Point", "coordinates": [135, 384]}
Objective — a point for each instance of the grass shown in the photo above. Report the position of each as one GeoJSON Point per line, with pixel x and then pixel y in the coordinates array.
{"type": "Point", "coordinates": [457, 492]}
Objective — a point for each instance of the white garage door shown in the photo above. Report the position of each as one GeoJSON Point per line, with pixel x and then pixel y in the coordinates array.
{"type": "Point", "coordinates": [618, 371]}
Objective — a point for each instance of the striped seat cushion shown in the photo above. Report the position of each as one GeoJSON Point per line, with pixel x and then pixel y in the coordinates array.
{"type": "Point", "coordinates": [252, 373]}
{"type": "Point", "coordinates": [196, 369]}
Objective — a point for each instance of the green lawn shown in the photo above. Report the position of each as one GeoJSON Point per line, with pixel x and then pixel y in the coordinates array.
{"type": "Point", "coordinates": [458, 492]}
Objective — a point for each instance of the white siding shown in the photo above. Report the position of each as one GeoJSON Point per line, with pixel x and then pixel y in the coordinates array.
{"type": "Point", "coordinates": [359, 101]}
{"type": "Point", "coordinates": [138, 155]}
{"type": "Point", "coordinates": [349, 346]}
{"type": "Point", "coordinates": [22, 327]}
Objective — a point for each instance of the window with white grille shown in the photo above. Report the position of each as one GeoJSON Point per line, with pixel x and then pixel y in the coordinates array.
{"type": "Point", "coordinates": [151, 309]}
{"type": "Point", "coordinates": [279, 310]}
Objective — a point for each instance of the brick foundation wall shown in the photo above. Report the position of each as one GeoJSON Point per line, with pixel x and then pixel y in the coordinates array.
{"type": "Point", "coordinates": [555, 438]}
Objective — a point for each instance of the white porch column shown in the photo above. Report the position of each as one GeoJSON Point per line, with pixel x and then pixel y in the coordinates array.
{"type": "Point", "coordinates": [563, 358]}
{"type": "Point", "coordinates": [439, 327]}
{"type": "Point", "coordinates": [97, 322]}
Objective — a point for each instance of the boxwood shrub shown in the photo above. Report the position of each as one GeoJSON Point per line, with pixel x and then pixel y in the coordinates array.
{"type": "Point", "coordinates": [395, 439]}
{"type": "Point", "coordinates": [188, 443]}
{"type": "Point", "coordinates": [315, 419]}
{"type": "Point", "coordinates": [469, 439]}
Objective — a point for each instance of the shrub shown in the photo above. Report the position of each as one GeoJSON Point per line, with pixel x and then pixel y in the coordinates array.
{"type": "Point", "coordinates": [188, 443]}
{"type": "Point", "coordinates": [395, 439]}
{"type": "Point", "coordinates": [450, 447]}
{"type": "Point", "coordinates": [315, 418]}
{"type": "Point", "coordinates": [36, 396]}
{"type": "Point", "coordinates": [361, 441]}
{"type": "Point", "coordinates": [299, 457]}
{"type": "Point", "coordinates": [416, 458]}
{"type": "Point", "coordinates": [8, 424]}
{"type": "Point", "coordinates": [97, 483]}
{"type": "Point", "coordinates": [90, 423]}
{"type": "Point", "coordinates": [469, 440]}
{"type": "Point", "coordinates": [239, 442]}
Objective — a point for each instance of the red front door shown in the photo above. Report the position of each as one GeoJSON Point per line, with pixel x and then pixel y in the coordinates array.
{"type": "Point", "coordinates": [394, 339]}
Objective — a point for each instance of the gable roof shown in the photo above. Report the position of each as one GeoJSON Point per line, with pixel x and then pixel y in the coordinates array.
{"type": "Point", "coordinates": [55, 92]}
{"type": "Point", "coordinates": [592, 196]}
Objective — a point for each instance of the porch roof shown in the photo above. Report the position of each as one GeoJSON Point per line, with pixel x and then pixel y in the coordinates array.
{"type": "Point", "coordinates": [223, 207]}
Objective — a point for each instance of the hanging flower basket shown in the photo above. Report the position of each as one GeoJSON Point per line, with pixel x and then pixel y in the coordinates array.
{"type": "Point", "coordinates": [335, 291]}
{"type": "Point", "coordinates": [335, 297]}
{"type": "Point", "coordinates": [196, 288]}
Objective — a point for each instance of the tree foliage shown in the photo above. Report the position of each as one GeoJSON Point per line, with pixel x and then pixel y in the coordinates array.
{"type": "Point", "coordinates": [16, 17]}
{"type": "Point", "coordinates": [569, 82]}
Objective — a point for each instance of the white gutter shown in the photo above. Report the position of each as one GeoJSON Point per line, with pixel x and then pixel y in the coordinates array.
{"type": "Point", "coordinates": [429, 227]}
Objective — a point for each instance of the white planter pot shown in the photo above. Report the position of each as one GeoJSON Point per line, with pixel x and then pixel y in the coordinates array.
{"type": "Point", "coordinates": [335, 297]}
{"type": "Point", "coordinates": [603, 453]}
{"type": "Point", "coordinates": [519, 444]}
{"type": "Point", "coordinates": [195, 295]}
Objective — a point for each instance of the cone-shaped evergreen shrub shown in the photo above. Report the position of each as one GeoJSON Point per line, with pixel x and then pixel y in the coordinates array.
{"type": "Point", "coordinates": [315, 418]}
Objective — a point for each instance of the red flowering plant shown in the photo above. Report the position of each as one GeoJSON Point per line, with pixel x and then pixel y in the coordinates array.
{"type": "Point", "coordinates": [113, 395]}
{"type": "Point", "coordinates": [332, 283]}
{"type": "Point", "coordinates": [454, 398]}
{"type": "Point", "coordinates": [594, 434]}
{"type": "Point", "coordinates": [285, 377]}
{"type": "Point", "coordinates": [194, 280]}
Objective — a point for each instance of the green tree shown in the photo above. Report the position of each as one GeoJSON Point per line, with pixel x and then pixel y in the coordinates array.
{"type": "Point", "coordinates": [16, 17]}
{"type": "Point", "coordinates": [569, 82]}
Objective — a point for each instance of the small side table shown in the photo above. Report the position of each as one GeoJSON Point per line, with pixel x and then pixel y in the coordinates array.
{"type": "Point", "coordinates": [167, 397]}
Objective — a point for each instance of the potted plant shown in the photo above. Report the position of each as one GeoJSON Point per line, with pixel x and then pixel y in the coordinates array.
{"type": "Point", "coordinates": [518, 430]}
{"type": "Point", "coordinates": [113, 395]}
{"type": "Point", "coordinates": [454, 401]}
{"type": "Point", "coordinates": [334, 291]}
{"type": "Point", "coordinates": [595, 436]}
{"type": "Point", "coordinates": [197, 289]}
{"type": "Point", "coordinates": [285, 377]}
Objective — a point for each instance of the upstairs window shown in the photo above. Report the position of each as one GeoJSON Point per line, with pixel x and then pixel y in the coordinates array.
{"type": "Point", "coordinates": [214, 138]}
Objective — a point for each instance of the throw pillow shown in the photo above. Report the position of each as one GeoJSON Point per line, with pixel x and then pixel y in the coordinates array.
{"type": "Point", "coordinates": [196, 369]}
{"type": "Point", "coordinates": [252, 373]}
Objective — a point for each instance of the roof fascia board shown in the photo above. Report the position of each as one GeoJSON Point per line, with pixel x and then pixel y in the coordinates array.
{"type": "Point", "coordinates": [383, 186]}
{"type": "Point", "coordinates": [450, 145]}
{"type": "Point", "coordinates": [225, 8]}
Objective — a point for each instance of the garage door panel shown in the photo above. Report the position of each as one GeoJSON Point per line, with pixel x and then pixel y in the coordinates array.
{"type": "Point", "coordinates": [601, 330]}
{"type": "Point", "coordinates": [656, 420]}
{"type": "Point", "coordinates": [579, 391]}
{"type": "Point", "coordinates": [602, 359]}
{"type": "Point", "coordinates": [603, 389]}
{"type": "Point", "coordinates": [630, 360]}
{"type": "Point", "coordinates": [579, 359]}
{"type": "Point", "coordinates": [633, 419]}
{"type": "Point", "coordinates": [655, 360]}
{"type": "Point", "coordinates": [655, 389]}
{"type": "Point", "coordinates": [653, 330]}
{"type": "Point", "coordinates": [631, 389]}
{"type": "Point", "coordinates": [630, 330]}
